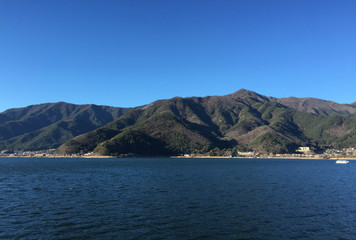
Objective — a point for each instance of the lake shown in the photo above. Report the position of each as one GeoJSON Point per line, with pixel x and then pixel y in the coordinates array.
{"type": "Point", "coordinates": [43, 198]}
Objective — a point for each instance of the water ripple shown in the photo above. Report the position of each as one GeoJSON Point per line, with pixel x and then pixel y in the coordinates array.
{"type": "Point", "coordinates": [176, 199]}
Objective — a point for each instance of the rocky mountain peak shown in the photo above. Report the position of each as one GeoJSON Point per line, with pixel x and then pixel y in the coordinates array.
{"type": "Point", "coordinates": [247, 94]}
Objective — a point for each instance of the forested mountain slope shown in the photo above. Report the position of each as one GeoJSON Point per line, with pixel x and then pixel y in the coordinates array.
{"type": "Point", "coordinates": [242, 121]}
{"type": "Point", "coordinates": [49, 125]}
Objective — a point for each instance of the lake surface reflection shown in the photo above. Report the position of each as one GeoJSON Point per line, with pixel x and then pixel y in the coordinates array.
{"type": "Point", "coordinates": [176, 199]}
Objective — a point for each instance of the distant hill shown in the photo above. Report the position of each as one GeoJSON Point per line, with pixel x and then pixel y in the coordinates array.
{"type": "Point", "coordinates": [317, 106]}
{"type": "Point", "coordinates": [49, 125]}
{"type": "Point", "coordinates": [219, 125]}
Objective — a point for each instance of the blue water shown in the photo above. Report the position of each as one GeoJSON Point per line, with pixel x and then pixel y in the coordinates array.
{"type": "Point", "coordinates": [176, 199]}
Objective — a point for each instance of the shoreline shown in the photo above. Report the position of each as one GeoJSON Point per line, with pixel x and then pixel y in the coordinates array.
{"type": "Point", "coordinates": [273, 157]}
{"type": "Point", "coordinates": [193, 157]}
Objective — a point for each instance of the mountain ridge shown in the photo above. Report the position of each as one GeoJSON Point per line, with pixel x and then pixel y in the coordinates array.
{"type": "Point", "coordinates": [55, 122]}
{"type": "Point", "coordinates": [317, 106]}
{"type": "Point", "coordinates": [243, 120]}
{"type": "Point", "coordinates": [240, 121]}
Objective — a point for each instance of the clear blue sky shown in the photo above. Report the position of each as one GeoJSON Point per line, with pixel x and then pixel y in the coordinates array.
{"type": "Point", "coordinates": [132, 52]}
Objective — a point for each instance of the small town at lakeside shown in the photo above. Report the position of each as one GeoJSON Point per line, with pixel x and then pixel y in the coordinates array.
{"type": "Point", "coordinates": [302, 152]}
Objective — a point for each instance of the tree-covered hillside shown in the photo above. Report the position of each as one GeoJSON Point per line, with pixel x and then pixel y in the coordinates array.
{"type": "Point", "coordinates": [49, 125]}
{"type": "Point", "coordinates": [243, 120]}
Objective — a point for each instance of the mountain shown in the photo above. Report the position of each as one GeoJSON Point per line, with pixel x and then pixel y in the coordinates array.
{"type": "Point", "coordinates": [49, 125]}
{"type": "Point", "coordinates": [219, 125]}
{"type": "Point", "coordinates": [214, 125]}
